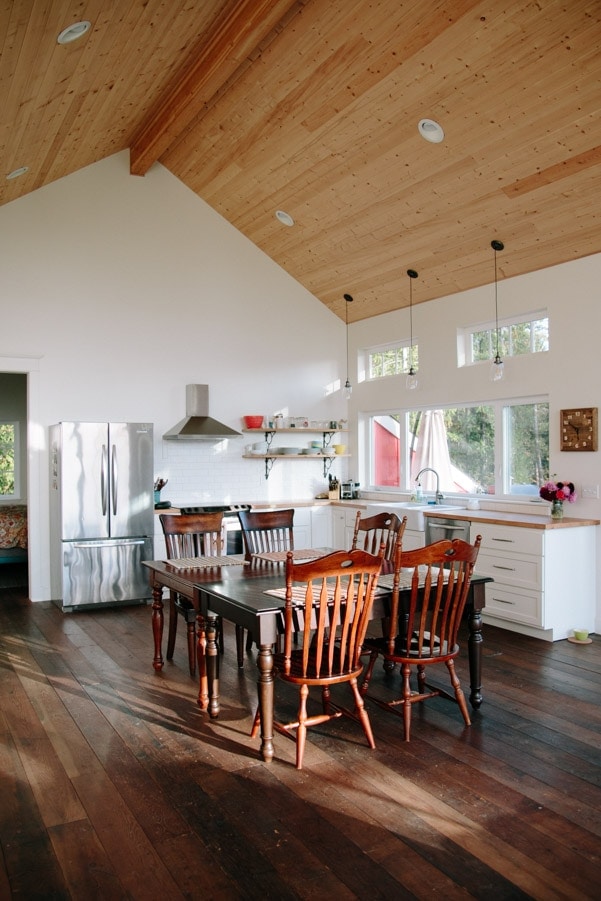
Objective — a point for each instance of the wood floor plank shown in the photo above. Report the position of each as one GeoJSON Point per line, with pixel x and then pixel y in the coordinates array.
{"type": "Point", "coordinates": [117, 785]}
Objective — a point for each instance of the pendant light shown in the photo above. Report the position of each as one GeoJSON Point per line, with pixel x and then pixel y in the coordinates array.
{"type": "Point", "coordinates": [348, 388]}
{"type": "Point", "coordinates": [497, 368]}
{"type": "Point", "coordinates": [412, 379]}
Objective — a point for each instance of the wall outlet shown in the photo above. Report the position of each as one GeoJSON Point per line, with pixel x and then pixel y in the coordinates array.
{"type": "Point", "coordinates": [591, 491]}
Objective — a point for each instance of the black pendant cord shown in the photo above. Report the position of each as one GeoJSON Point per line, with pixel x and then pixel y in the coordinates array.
{"type": "Point", "coordinates": [412, 274]}
{"type": "Point", "coordinates": [496, 245]}
{"type": "Point", "coordinates": [348, 298]}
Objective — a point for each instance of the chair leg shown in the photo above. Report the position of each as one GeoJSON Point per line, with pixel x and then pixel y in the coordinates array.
{"type": "Point", "coordinates": [172, 625]}
{"type": "Point", "coordinates": [220, 639]}
{"type": "Point", "coordinates": [301, 732]}
{"type": "Point", "coordinates": [192, 648]}
{"type": "Point", "coordinates": [368, 672]}
{"type": "Point", "coordinates": [421, 678]}
{"type": "Point", "coordinates": [406, 670]}
{"type": "Point", "coordinates": [256, 723]}
{"type": "Point", "coordinates": [240, 645]}
{"type": "Point", "coordinates": [362, 714]}
{"type": "Point", "coordinates": [459, 696]}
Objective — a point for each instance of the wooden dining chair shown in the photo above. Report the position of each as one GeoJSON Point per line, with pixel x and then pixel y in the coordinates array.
{"type": "Point", "coordinates": [190, 535]}
{"type": "Point", "coordinates": [266, 530]}
{"type": "Point", "coordinates": [429, 592]}
{"type": "Point", "coordinates": [372, 531]}
{"type": "Point", "coordinates": [262, 530]}
{"type": "Point", "coordinates": [328, 601]}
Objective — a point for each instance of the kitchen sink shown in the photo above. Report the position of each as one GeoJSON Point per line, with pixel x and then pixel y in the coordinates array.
{"type": "Point", "coordinates": [414, 512]}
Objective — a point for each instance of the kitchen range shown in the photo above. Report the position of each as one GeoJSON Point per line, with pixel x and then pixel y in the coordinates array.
{"type": "Point", "coordinates": [230, 519]}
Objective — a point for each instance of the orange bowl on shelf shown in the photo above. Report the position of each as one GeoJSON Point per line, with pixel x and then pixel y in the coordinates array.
{"type": "Point", "coordinates": [253, 422]}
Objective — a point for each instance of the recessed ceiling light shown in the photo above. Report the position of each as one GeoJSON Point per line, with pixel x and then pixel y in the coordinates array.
{"type": "Point", "coordinates": [431, 131]}
{"type": "Point", "coordinates": [284, 218]}
{"type": "Point", "coordinates": [73, 32]}
{"type": "Point", "coordinates": [16, 172]}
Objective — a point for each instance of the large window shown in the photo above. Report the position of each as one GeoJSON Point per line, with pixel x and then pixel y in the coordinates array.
{"type": "Point", "coordinates": [500, 448]}
{"type": "Point", "coordinates": [9, 456]}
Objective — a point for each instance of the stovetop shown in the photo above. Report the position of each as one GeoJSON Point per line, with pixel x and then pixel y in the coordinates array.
{"type": "Point", "coordinates": [231, 509]}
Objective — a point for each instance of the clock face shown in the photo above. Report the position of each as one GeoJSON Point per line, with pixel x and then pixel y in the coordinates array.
{"type": "Point", "coordinates": [579, 429]}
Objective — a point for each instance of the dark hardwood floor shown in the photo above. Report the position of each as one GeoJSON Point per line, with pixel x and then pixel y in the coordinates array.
{"type": "Point", "coordinates": [114, 785]}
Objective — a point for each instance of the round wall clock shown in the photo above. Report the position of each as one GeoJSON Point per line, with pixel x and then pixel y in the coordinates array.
{"type": "Point", "coordinates": [578, 429]}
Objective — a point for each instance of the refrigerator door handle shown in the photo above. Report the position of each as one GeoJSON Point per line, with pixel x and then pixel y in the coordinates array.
{"type": "Point", "coordinates": [104, 485]}
{"type": "Point", "coordinates": [114, 478]}
{"type": "Point", "coordinates": [107, 542]}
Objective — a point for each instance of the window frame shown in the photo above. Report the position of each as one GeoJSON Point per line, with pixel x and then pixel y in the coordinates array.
{"type": "Point", "coordinates": [405, 349]}
{"type": "Point", "coordinates": [501, 446]}
{"type": "Point", "coordinates": [465, 343]}
{"type": "Point", "coordinates": [16, 449]}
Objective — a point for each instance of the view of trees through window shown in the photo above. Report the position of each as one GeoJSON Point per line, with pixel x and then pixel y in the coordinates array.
{"type": "Point", "coordinates": [7, 458]}
{"type": "Point", "coordinates": [462, 444]}
{"type": "Point", "coordinates": [524, 337]}
{"type": "Point", "coordinates": [393, 361]}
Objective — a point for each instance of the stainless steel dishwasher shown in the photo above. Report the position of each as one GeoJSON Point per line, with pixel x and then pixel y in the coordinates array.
{"type": "Point", "coordinates": [439, 527]}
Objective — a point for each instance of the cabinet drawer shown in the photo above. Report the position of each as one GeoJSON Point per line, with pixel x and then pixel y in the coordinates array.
{"type": "Point", "coordinates": [517, 606]}
{"type": "Point", "coordinates": [523, 572]}
{"type": "Point", "coordinates": [508, 539]}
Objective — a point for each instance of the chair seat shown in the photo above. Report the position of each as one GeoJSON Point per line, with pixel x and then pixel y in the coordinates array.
{"type": "Point", "coordinates": [400, 652]}
{"type": "Point", "coordinates": [296, 674]}
{"type": "Point", "coordinates": [186, 608]}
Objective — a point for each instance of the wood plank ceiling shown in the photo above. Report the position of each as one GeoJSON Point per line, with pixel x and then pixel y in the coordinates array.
{"type": "Point", "coordinates": [312, 107]}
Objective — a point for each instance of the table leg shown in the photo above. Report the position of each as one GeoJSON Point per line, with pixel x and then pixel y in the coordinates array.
{"type": "Point", "coordinates": [475, 640]}
{"type": "Point", "coordinates": [265, 687]}
{"type": "Point", "coordinates": [212, 664]}
{"type": "Point", "coordinates": [157, 625]}
{"type": "Point", "coordinates": [201, 659]}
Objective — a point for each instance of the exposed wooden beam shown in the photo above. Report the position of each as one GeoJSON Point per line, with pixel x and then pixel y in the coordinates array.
{"type": "Point", "coordinates": [244, 24]}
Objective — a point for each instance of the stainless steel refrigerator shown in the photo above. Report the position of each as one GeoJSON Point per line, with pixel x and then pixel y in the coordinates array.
{"type": "Point", "coordinates": [101, 512]}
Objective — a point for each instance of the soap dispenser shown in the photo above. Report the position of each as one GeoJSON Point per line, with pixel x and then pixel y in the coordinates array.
{"type": "Point", "coordinates": [419, 494]}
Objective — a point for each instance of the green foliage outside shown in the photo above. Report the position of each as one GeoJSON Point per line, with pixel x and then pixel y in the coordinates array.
{"type": "Point", "coordinates": [7, 459]}
{"type": "Point", "coordinates": [471, 442]}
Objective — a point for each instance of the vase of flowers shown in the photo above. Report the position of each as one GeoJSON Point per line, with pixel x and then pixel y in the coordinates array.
{"type": "Point", "coordinates": [557, 493]}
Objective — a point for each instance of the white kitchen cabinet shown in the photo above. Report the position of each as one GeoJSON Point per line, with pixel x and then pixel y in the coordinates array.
{"type": "Point", "coordinates": [321, 527]}
{"type": "Point", "coordinates": [301, 527]}
{"type": "Point", "coordinates": [544, 579]}
{"type": "Point", "coordinates": [413, 539]}
{"type": "Point", "coordinates": [343, 526]}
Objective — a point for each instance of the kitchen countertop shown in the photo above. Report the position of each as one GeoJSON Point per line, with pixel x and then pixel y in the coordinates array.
{"type": "Point", "coordinates": [524, 520]}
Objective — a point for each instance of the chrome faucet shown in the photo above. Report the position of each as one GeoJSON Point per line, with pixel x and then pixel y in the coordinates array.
{"type": "Point", "coordinates": [438, 496]}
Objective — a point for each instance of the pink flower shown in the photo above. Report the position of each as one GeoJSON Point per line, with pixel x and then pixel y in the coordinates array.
{"type": "Point", "coordinates": [558, 491]}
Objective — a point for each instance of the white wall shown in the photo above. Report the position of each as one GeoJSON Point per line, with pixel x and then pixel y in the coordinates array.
{"type": "Point", "coordinates": [117, 292]}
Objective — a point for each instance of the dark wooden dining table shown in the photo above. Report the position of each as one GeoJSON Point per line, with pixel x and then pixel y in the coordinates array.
{"type": "Point", "coordinates": [237, 593]}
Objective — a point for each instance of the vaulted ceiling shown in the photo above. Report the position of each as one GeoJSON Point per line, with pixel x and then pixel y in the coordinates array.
{"type": "Point", "coordinates": [312, 107]}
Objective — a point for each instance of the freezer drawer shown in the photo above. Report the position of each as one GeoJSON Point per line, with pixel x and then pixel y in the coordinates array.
{"type": "Point", "coordinates": [105, 572]}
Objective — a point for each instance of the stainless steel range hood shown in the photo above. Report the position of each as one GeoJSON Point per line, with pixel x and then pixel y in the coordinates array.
{"type": "Point", "coordinates": [198, 425]}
